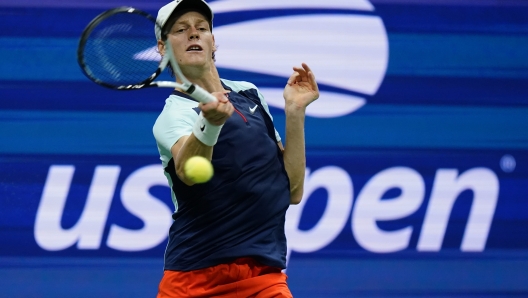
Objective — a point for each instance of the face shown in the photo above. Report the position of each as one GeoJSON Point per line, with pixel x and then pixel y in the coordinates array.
{"type": "Point", "coordinates": [192, 40]}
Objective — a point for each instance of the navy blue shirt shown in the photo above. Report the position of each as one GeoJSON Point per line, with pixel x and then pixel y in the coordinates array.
{"type": "Point", "coordinates": [241, 211]}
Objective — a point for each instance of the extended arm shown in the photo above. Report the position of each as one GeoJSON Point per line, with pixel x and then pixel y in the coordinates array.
{"type": "Point", "coordinates": [216, 113]}
{"type": "Point", "coordinates": [300, 91]}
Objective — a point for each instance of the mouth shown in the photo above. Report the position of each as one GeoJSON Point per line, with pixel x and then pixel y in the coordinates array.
{"type": "Point", "coordinates": [194, 48]}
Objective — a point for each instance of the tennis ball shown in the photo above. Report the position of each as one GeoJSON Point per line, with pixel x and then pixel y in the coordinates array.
{"type": "Point", "coordinates": [198, 169]}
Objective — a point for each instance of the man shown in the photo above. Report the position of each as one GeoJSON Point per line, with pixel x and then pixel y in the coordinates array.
{"type": "Point", "coordinates": [227, 239]}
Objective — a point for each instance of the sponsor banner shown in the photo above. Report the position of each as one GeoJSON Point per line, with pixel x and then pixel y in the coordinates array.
{"type": "Point", "coordinates": [472, 55]}
{"type": "Point", "coordinates": [356, 202]}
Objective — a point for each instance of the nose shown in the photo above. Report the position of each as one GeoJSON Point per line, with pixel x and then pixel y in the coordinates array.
{"type": "Point", "coordinates": [194, 34]}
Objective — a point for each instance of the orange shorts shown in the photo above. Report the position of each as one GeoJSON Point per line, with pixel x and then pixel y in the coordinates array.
{"type": "Point", "coordinates": [242, 278]}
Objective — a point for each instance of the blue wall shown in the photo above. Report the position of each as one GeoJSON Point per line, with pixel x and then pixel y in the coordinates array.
{"type": "Point", "coordinates": [421, 190]}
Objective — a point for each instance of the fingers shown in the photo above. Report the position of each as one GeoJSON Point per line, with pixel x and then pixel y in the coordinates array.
{"type": "Point", "coordinates": [303, 76]}
{"type": "Point", "coordinates": [219, 111]}
{"type": "Point", "coordinates": [306, 67]}
{"type": "Point", "coordinates": [293, 78]}
{"type": "Point", "coordinates": [312, 81]}
{"type": "Point", "coordinates": [305, 73]}
{"type": "Point", "coordinates": [221, 96]}
{"type": "Point", "coordinates": [302, 86]}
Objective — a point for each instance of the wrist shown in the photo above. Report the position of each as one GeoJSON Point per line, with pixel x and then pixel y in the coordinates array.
{"type": "Point", "coordinates": [206, 132]}
{"type": "Point", "coordinates": [294, 109]}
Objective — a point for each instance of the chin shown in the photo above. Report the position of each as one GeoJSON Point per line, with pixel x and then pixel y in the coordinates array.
{"type": "Point", "coordinates": [195, 60]}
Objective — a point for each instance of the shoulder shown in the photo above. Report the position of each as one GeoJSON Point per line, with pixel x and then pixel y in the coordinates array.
{"type": "Point", "coordinates": [238, 86]}
{"type": "Point", "coordinates": [178, 112]}
{"type": "Point", "coordinates": [175, 104]}
{"type": "Point", "coordinates": [250, 90]}
{"type": "Point", "coordinates": [245, 88]}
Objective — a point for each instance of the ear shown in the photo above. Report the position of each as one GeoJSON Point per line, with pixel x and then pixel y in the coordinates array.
{"type": "Point", "coordinates": [214, 45]}
{"type": "Point", "coordinates": [161, 47]}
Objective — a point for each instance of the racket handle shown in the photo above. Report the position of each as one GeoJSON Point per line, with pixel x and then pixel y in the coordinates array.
{"type": "Point", "coordinates": [200, 94]}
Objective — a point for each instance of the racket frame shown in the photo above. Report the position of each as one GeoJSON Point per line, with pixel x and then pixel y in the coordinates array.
{"type": "Point", "coordinates": [188, 87]}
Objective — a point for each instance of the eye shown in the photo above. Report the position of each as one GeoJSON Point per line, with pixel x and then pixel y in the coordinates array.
{"type": "Point", "coordinates": [178, 30]}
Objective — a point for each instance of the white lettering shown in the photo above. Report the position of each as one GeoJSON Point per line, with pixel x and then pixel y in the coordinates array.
{"type": "Point", "coordinates": [370, 207]}
{"type": "Point", "coordinates": [338, 184]}
{"type": "Point", "coordinates": [446, 189]}
{"type": "Point", "coordinates": [88, 230]}
{"type": "Point", "coordinates": [156, 216]}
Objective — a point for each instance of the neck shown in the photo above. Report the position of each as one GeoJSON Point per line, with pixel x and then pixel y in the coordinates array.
{"type": "Point", "coordinates": [209, 79]}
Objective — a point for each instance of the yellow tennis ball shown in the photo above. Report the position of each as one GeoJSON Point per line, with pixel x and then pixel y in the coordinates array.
{"type": "Point", "coordinates": [198, 169]}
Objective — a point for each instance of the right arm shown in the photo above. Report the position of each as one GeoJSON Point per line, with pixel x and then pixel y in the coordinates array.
{"type": "Point", "coordinates": [216, 113]}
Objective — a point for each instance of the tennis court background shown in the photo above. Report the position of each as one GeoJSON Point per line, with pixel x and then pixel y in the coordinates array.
{"type": "Point", "coordinates": [442, 92]}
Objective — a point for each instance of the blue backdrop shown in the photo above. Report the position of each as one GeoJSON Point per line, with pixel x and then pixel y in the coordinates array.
{"type": "Point", "coordinates": [417, 179]}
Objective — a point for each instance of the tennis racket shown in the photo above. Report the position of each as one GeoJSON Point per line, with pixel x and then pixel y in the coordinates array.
{"type": "Point", "coordinates": [118, 50]}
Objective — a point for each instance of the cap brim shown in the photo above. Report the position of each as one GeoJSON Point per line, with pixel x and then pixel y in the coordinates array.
{"type": "Point", "coordinates": [185, 6]}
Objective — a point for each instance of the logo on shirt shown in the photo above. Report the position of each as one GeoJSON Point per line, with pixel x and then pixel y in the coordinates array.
{"type": "Point", "coordinates": [252, 110]}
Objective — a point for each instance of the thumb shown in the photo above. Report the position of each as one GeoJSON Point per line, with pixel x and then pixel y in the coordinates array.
{"type": "Point", "coordinates": [221, 97]}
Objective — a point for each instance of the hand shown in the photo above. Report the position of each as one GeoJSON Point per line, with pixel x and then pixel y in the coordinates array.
{"type": "Point", "coordinates": [219, 111]}
{"type": "Point", "coordinates": [301, 89]}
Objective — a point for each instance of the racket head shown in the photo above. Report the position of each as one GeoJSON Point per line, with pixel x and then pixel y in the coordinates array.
{"type": "Point", "coordinates": [117, 49]}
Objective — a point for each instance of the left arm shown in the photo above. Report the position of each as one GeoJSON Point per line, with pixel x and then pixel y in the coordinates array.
{"type": "Point", "coordinates": [300, 91]}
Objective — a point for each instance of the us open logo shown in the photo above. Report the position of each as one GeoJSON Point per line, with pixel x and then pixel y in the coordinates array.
{"type": "Point", "coordinates": [344, 42]}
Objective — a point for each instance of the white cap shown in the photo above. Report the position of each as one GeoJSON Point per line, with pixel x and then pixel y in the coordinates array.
{"type": "Point", "coordinates": [182, 6]}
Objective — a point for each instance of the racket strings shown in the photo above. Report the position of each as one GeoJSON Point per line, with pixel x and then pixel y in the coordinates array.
{"type": "Point", "coordinates": [121, 50]}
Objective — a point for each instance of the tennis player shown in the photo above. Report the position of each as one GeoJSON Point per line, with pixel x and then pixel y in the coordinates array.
{"type": "Point", "coordinates": [227, 238]}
